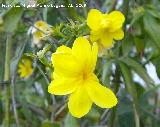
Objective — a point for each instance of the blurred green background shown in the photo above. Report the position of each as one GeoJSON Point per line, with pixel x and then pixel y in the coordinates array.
{"type": "Point", "coordinates": [131, 69]}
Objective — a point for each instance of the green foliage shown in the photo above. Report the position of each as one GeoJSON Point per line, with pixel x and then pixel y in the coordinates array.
{"type": "Point", "coordinates": [11, 19]}
{"type": "Point", "coordinates": [30, 104]}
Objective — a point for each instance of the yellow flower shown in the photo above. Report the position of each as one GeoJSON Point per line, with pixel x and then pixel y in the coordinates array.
{"type": "Point", "coordinates": [40, 31]}
{"type": "Point", "coordinates": [105, 27]}
{"type": "Point", "coordinates": [74, 75]}
{"type": "Point", "coordinates": [25, 68]}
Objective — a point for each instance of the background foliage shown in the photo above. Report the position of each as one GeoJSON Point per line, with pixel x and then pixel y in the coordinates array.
{"type": "Point", "coordinates": [26, 102]}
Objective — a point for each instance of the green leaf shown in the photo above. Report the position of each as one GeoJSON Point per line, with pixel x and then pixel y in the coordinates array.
{"type": "Point", "coordinates": [127, 44]}
{"type": "Point", "coordinates": [148, 93]}
{"type": "Point", "coordinates": [137, 15]}
{"type": "Point", "coordinates": [45, 61]}
{"type": "Point", "coordinates": [131, 89]}
{"type": "Point", "coordinates": [139, 44]}
{"type": "Point", "coordinates": [46, 124]}
{"type": "Point", "coordinates": [125, 111]}
{"type": "Point", "coordinates": [152, 27]}
{"type": "Point", "coordinates": [30, 55]}
{"type": "Point", "coordinates": [146, 106]}
{"type": "Point", "coordinates": [70, 121]}
{"type": "Point", "coordinates": [138, 68]}
{"type": "Point", "coordinates": [33, 98]}
{"type": "Point", "coordinates": [156, 62]}
{"type": "Point", "coordinates": [106, 72]}
{"type": "Point", "coordinates": [140, 89]}
{"type": "Point", "coordinates": [11, 18]}
{"type": "Point", "coordinates": [130, 86]}
{"type": "Point", "coordinates": [151, 9]}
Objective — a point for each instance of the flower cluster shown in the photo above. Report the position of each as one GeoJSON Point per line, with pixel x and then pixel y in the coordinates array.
{"type": "Point", "coordinates": [74, 67]}
{"type": "Point", "coordinates": [77, 77]}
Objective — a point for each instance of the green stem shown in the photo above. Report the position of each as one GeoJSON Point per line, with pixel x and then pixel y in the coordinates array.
{"type": "Point", "coordinates": [156, 98]}
{"type": "Point", "coordinates": [136, 116]}
{"type": "Point", "coordinates": [7, 78]}
{"type": "Point", "coordinates": [13, 79]}
{"type": "Point", "coordinates": [117, 81]}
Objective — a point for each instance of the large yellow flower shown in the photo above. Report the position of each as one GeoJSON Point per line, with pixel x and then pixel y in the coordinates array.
{"type": "Point", "coordinates": [105, 27]}
{"type": "Point", "coordinates": [73, 74]}
{"type": "Point", "coordinates": [25, 68]}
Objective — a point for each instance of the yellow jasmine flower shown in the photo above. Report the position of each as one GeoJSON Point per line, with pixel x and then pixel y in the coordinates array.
{"type": "Point", "coordinates": [40, 31]}
{"type": "Point", "coordinates": [25, 68]}
{"type": "Point", "coordinates": [105, 27]}
{"type": "Point", "coordinates": [74, 74]}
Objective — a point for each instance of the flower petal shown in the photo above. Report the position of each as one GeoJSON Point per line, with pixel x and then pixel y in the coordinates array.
{"type": "Point", "coordinates": [63, 49]}
{"type": "Point", "coordinates": [94, 55]}
{"type": "Point", "coordinates": [42, 26]}
{"type": "Point", "coordinates": [101, 95]}
{"type": "Point", "coordinates": [94, 18]}
{"type": "Point", "coordinates": [82, 51]}
{"type": "Point", "coordinates": [79, 102]}
{"type": "Point", "coordinates": [118, 35]}
{"type": "Point", "coordinates": [117, 20]}
{"type": "Point", "coordinates": [65, 64]}
{"type": "Point", "coordinates": [62, 86]}
{"type": "Point", "coordinates": [95, 35]}
{"type": "Point", "coordinates": [37, 37]}
{"type": "Point", "coordinates": [107, 40]}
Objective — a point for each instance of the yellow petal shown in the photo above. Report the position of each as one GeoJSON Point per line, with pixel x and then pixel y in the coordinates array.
{"type": "Point", "coordinates": [63, 49]}
{"type": "Point", "coordinates": [37, 37]}
{"type": "Point", "coordinates": [25, 68]}
{"type": "Point", "coordinates": [94, 18]}
{"type": "Point", "coordinates": [82, 51]}
{"type": "Point", "coordinates": [43, 26]}
{"type": "Point", "coordinates": [65, 64]}
{"type": "Point", "coordinates": [20, 65]}
{"type": "Point", "coordinates": [62, 86]}
{"type": "Point", "coordinates": [94, 55]}
{"type": "Point", "coordinates": [79, 102]}
{"type": "Point", "coordinates": [40, 24]}
{"type": "Point", "coordinates": [60, 50]}
{"type": "Point", "coordinates": [117, 19]}
{"type": "Point", "coordinates": [95, 35]}
{"type": "Point", "coordinates": [118, 35]}
{"type": "Point", "coordinates": [101, 95]}
{"type": "Point", "coordinates": [107, 40]}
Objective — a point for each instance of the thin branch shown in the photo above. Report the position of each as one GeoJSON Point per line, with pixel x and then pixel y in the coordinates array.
{"type": "Point", "coordinates": [14, 101]}
{"type": "Point", "coordinates": [60, 110]}
{"type": "Point", "coordinates": [6, 78]}
{"type": "Point", "coordinates": [13, 77]}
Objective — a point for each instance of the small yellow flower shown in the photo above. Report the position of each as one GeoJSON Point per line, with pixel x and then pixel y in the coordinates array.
{"type": "Point", "coordinates": [105, 27]}
{"type": "Point", "coordinates": [25, 68]}
{"type": "Point", "coordinates": [74, 75]}
{"type": "Point", "coordinates": [40, 31]}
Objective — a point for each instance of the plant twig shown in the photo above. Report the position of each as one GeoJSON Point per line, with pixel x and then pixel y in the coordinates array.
{"type": "Point", "coordinates": [14, 101]}
{"type": "Point", "coordinates": [13, 77]}
{"type": "Point", "coordinates": [47, 81]}
{"type": "Point", "coordinates": [117, 85]}
{"type": "Point", "coordinates": [6, 78]}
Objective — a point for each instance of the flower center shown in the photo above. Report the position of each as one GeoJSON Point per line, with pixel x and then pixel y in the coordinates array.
{"type": "Point", "coordinates": [85, 75]}
{"type": "Point", "coordinates": [105, 23]}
